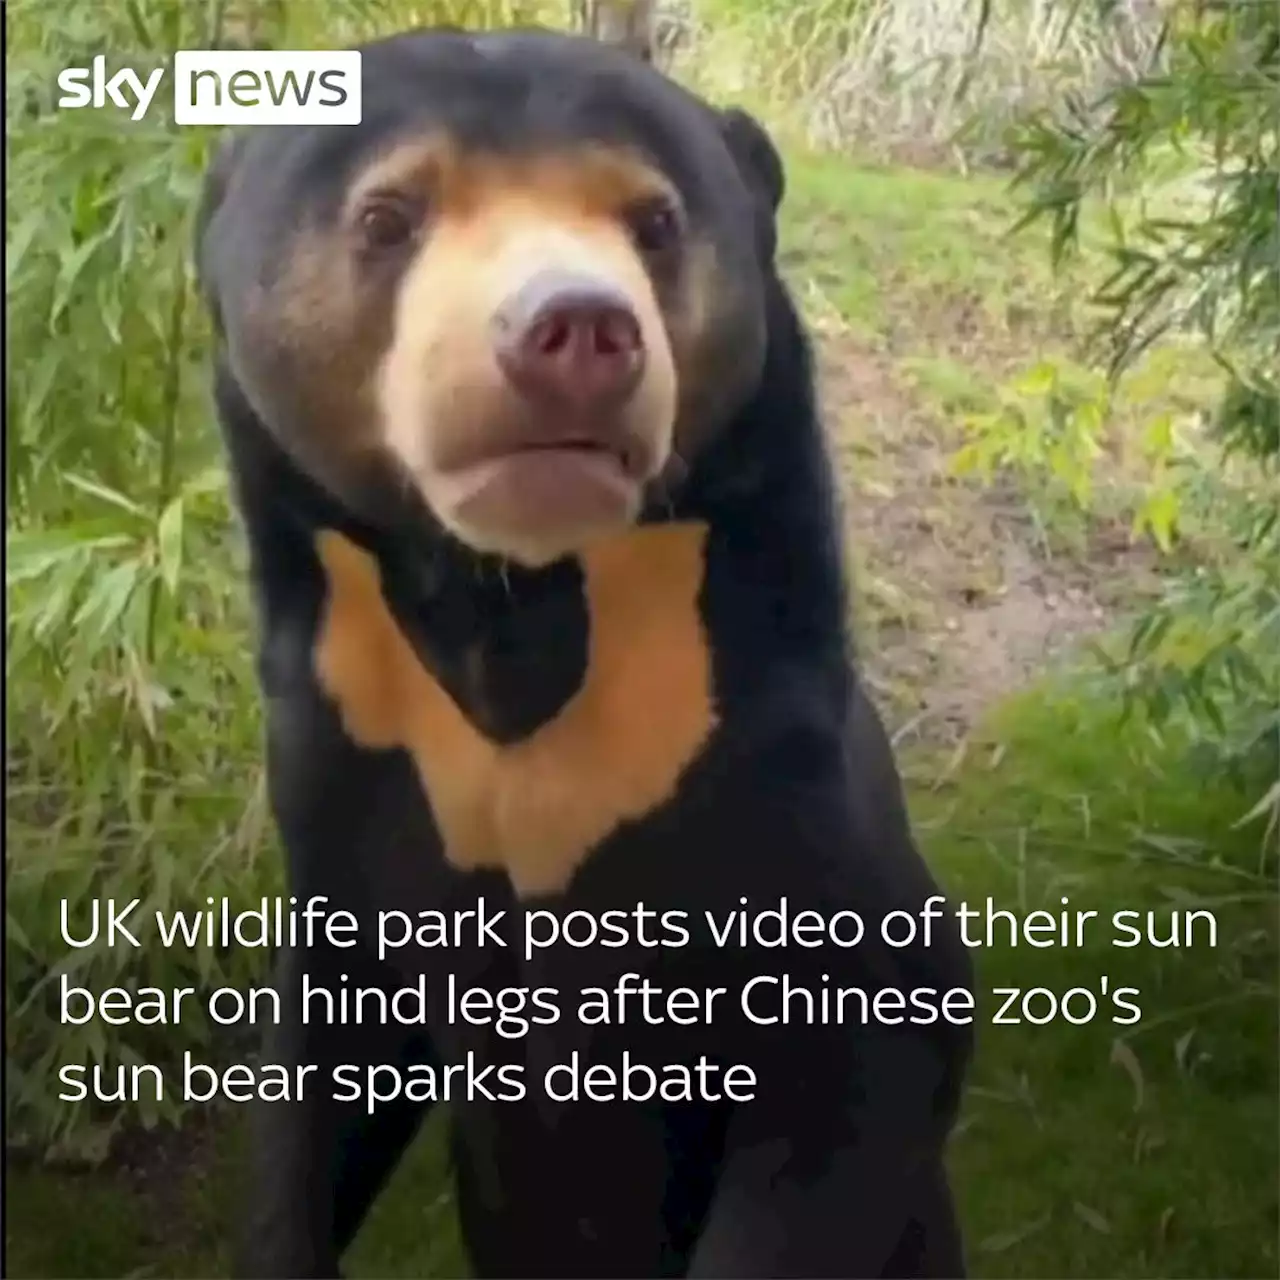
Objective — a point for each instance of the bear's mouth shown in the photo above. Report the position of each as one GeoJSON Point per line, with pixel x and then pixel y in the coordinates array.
{"type": "Point", "coordinates": [537, 480]}
{"type": "Point", "coordinates": [541, 475]}
{"type": "Point", "coordinates": [569, 442]}
{"type": "Point", "coordinates": [604, 448]}
{"type": "Point", "coordinates": [576, 459]}
{"type": "Point", "coordinates": [582, 445]}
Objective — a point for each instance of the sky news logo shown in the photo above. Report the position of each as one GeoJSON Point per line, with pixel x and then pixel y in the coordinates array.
{"type": "Point", "coordinates": [226, 87]}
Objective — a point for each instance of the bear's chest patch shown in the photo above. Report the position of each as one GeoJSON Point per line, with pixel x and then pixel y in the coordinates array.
{"type": "Point", "coordinates": [615, 752]}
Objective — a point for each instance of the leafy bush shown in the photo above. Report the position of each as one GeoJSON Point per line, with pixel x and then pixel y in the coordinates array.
{"type": "Point", "coordinates": [130, 719]}
{"type": "Point", "coordinates": [1192, 261]}
{"type": "Point", "coordinates": [133, 765]}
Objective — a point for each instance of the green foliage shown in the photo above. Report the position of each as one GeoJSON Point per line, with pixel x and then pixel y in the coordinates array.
{"type": "Point", "coordinates": [1190, 260]}
{"type": "Point", "coordinates": [1047, 430]}
{"type": "Point", "coordinates": [1204, 661]}
{"type": "Point", "coordinates": [133, 767]}
{"type": "Point", "coordinates": [130, 714]}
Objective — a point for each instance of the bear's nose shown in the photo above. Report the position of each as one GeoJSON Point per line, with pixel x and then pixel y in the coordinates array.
{"type": "Point", "coordinates": [570, 340]}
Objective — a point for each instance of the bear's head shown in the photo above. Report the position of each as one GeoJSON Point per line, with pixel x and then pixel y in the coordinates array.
{"type": "Point", "coordinates": [521, 295]}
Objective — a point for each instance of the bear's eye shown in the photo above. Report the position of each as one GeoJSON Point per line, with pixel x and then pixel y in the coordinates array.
{"type": "Point", "coordinates": [656, 226]}
{"type": "Point", "coordinates": [386, 223]}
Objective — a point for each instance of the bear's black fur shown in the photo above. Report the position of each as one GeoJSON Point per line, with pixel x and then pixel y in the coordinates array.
{"type": "Point", "coordinates": [836, 1167]}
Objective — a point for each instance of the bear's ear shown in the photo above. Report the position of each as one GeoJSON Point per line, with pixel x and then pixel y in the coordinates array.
{"type": "Point", "coordinates": [756, 155]}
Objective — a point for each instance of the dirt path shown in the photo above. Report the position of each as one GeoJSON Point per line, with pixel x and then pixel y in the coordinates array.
{"type": "Point", "coordinates": [958, 604]}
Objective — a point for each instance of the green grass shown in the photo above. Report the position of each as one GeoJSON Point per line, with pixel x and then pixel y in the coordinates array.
{"type": "Point", "coordinates": [888, 244]}
{"type": "Point", "coordinates": [1078, 1158]}
{"type": "Point", "coordinates": [1073, 1158]}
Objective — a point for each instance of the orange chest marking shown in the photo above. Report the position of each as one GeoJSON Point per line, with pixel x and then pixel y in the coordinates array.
{"type": "Point", "coordinates": [615, 752]}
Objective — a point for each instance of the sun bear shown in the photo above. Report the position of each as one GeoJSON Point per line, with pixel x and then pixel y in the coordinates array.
{"type": "Point", "coordinates": [553, 625]}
